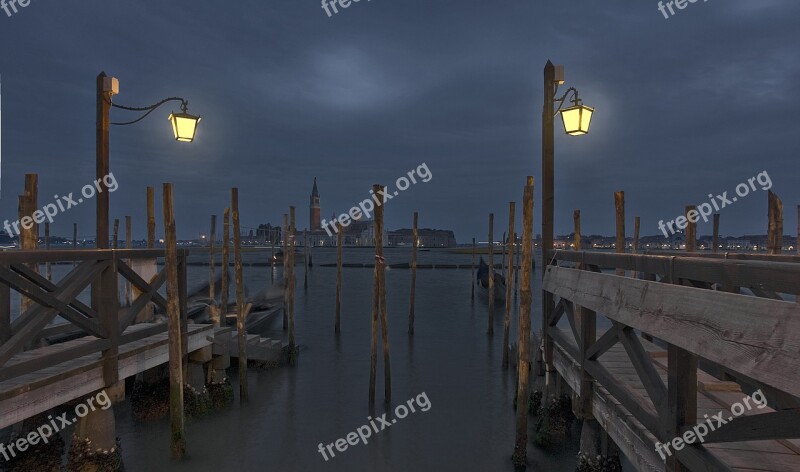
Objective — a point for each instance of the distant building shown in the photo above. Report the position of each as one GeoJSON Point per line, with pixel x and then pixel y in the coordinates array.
{"type": "Point", "coordinates": [315, 209]}
{"type": "Point", "coordinates": [427, 237]}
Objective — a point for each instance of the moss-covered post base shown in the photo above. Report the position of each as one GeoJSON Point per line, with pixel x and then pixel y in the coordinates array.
{"type": "Point", "coordinates": [598, 453]}
{"type": "Point", "coordinates": [95, 447]}
{"type": "Point", "coordinates": [554, 421]}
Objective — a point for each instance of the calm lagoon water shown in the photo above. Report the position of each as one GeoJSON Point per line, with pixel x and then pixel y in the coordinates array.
{"type": "Point", "coordinates": [469, 426]}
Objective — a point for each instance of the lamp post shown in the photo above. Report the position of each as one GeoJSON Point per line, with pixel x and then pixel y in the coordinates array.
{"type": "Point", "coordinates": [184, 127]}
{"type": "Point", "coordinates": [577, 119]}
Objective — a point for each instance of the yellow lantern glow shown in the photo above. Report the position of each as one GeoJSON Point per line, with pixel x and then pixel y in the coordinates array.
{"type": "Point", "coordinates": [577, 119]}
{"type": "Point", "coordinates": [184, 126]}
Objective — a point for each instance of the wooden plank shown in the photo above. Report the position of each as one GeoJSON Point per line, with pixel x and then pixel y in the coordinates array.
{"type": "Point", "coordinates": [715, 325]}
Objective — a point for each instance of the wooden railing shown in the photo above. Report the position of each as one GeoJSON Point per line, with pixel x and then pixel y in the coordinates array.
{"type": "Point", "coordinates": [686, 304]}
{"type": "Point", "coordinates": [104, 318]}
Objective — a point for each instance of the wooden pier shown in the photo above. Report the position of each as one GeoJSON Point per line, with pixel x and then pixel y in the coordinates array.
{"type": "Point", "coordinates": [61, 349]}
{"type": "Point", "coordinates": [721, 329]}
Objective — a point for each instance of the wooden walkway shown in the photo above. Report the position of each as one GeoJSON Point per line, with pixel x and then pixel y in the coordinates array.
{"type": "Point", "coordinates": [61, 382]}
{"type": "Point", "coordinates": [645, 392]}
{"type": "Point", "coordinates": [107, 344]}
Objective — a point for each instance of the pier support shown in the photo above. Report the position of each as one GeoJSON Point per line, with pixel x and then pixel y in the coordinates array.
{"type": "Point", "coordinates": [598, 452]}
{"type": "Point", "coordinates": [94, 444]}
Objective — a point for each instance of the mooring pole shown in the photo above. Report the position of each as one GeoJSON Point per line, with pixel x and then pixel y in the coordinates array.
{"type": "Point", "coordinates": [240, 308]}
{"type": "Point", "coordinates": [523, 361]}
{"type": "Point", "coordinates": [414, 243]}
{"type": "Point", "coordinates": [490, 329]}
{"type": "Point", "coordinates": [178, 437]}
{"type": "Point", "coordinates": [338, 323]}
{"type": "Point", "coordinates": [509, 282]}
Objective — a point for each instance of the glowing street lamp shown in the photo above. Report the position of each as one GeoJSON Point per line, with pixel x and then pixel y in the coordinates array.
{"type": "Point", "coordinates": [577, 117]}
{"type": "Point", "coordinates": [184, 125]}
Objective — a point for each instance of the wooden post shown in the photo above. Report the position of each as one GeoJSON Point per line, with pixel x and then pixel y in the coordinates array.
{"type": "Point", "coordinates": [715, 238]}
{"type": "Point", "coordinates": [523, 361]}
{"type": "Point", "coordinates": [503, 254]}
{"type": "Point", "coordinates": [414, 242]}
{"type": "Point", "coordinates": [797, 242]}
{"type": "Point", "coordinates": [272, 254]}
{"type": "Point", "coordinates": [240, 311]}
{"type": "Point", "coordinates": [102, 125]}
{"type": "Point", "coordinates": [619, 207]}
{"type": "Point", "coordinates": [473, 269]}
{"type": "Point", "coordinates": [775, 230]}
{"type": "Point", "coordinates": [380, 265]}
{"type": "Point", "coordinates": [576, 221]}
{"type": "Point", "coordinates": [509, 282]}
{"type": "Point", "coordinates": [223, 297]}
{"type": "Point", "coordinates": [636, 224]}
{"type": "Point", "coordinates": [115, 244]}
{"type": "Point", "coordinates": [284, 234]}
{"type": "Point", "coordinates": [74, 240]}
{"type": "Point", "coordinates": [211, 288]}
{"type": "Point", "coordinates": [338, 326]}
{"type": "Point", "coordinates": [29, 236]}
{"type": "Point", "coordinates": [178, 444]}
{"type": "Point", "coordinates": [48, 270]}
{"type": "Point", "coordinates": [151, 217]}
{"type": "Point", "coordinates": [691, 228]}
{"type": "Point", "coordinates": [519, 264]}
{"type": "Point", "coordinates": [490, 329]}
{"type": "Point", "coordinates": [305, 256]}
{"type": "Point", "coordinates": [291, 280]}
{"type": "Point", "coordinates": [128, 245]}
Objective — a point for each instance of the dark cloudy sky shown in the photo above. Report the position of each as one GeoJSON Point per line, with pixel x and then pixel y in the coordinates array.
{"type": "Point", "coordinates": [686, 106]}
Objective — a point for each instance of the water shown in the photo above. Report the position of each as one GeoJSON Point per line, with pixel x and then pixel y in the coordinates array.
{"type": "Point", "coordinates": [470, 423]}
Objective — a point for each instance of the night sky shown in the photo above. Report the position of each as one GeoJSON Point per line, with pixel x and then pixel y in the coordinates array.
{"type": "Point", "coordinates": [685, 106]}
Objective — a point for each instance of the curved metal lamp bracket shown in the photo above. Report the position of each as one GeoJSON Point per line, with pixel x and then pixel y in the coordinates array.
{"type": "Point", "coordinates": [150, 109]}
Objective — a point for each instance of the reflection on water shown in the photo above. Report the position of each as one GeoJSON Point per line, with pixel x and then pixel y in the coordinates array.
{"type": "Point", "coordinates": [469, 426]}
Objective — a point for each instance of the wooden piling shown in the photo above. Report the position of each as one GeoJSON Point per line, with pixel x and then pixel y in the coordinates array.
{"type": "Point", "coordinates": [503, 253]}
{"type": "Point", "coordinates": [305, 256]}
{"type": "Point", "coordinates": [291, 286]}
{"type": "Point", "coordinates": [414, 243]}
{"type": "Point", "coordinates": [380, 264]}
{"type": "Point", "coordinates": [284, 234]}
{"type": "Point", "coordinates": [636, 225]}
{"type": "Point", "coordinates": [691, 228]}
{"type": "Point", "coordinates": [619, 207]}
{"type": "Point", "coordinates": [473, 270]}
{"type": "Point", "coordinates": [215, 318]}
{"type": "Point", "coordinates": [223, 297]}
{"type": "Point", "coordinates": [128, 245]}
{"type": "Point", "coordinates": [775, 230]}
{"type": "Point", "coordinates": [178, 441]}
{"type": "Point", "coordinates": [48, 270]}
{"type": "Point", "coordinates": [518, 264]}
{"type": "Point", "coordinates": [151, 217]}
{"type": "Point", "coordinates": [74, 240]}
{"type": "Point", "coordinates": [509, 282]}
{"type": "Point", "coordinates": [797, 242]}
{"type": "Point", "coordinates": [115, 243]}
{"type": "Point", "coordinates": [523, 362]}
{"type": "Point", "coordinates": [240, 302]}
{"type": "Point", "coordinates": [338, 324]}
{"type": "Point", "coordinates": [490, 329]}
{"type": "Point", "coordinates": [29, 234]}
{"type": "Point", "coordinates": [272, 255]}
{"type": "Point", "coordinates": [577, 237]}
{"type": "Point", "coordinates": [715, 238]}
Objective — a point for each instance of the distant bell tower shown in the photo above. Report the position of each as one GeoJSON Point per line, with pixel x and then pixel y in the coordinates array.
{"type": "Point", "coordinates": [314, 210]}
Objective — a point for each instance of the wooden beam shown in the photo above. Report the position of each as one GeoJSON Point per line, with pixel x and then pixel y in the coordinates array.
{"type": "Point", "coordinates": [715, 325]}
